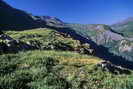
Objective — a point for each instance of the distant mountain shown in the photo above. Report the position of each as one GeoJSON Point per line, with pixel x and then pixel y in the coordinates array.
{"type": "Point", "coordinates": [123, 48]}
{"type": "Point", "coordinates": [99, 33]}
{"type": "Point", "coordinates": [125, 27]}
{"type": "Point", "coordinates": [106, 36]}
{"type": "Point", "coordinates": [49, 21]}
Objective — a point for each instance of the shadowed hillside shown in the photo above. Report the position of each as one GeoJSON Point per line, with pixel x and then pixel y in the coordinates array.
{"type": "Point", "coordinates": [12, 18]}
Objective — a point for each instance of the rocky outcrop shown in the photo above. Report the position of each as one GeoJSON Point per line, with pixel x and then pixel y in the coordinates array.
{"type": "Point", "coordinates": [125, 46]}
{"type": "Point", "coordinates": [108, 66]}
{"type": "Point", "coordinates": [8, 44]}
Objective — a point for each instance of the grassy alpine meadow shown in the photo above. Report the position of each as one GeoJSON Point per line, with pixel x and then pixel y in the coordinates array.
{"type": "Point", "coordinates": [57, 70]}
{"type": "Point", "coordinates": [54, 68]}
{"type": "Point", "coordinates": [44, 38]}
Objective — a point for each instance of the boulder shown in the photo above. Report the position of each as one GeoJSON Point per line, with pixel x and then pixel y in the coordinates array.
{"type": "Point", "coordinates": [5, 37]}
{"type": "Point", "coordinates": [9, 45]}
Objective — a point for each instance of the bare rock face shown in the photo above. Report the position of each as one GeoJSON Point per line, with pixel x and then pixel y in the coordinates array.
{"type": "Point", "coordinates": [108, 66]}
{"type": "Point", "coordinates": [125, 46]}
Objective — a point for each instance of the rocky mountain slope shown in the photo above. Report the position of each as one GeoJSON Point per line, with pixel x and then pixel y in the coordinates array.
{"type": "Point", "coordinates": [106, 36]}
{"type": "Point", "coordinates": [125, 46]}
{"type": "Point", "coordinates": [99, 33]}
{"type": "Point", "coordinates": [46, 58]}
{"type": "Point", "coordinates": [56, 55]}
{"type": "Point", "coordinates": [125, 27]}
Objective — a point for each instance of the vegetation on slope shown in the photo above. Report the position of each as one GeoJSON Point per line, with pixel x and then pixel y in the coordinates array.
{"type": "Point", "coordinates": [125, 27]}
{"type": "Point", "coordinates": [57, 70]}
{"type": "Point", "coordinates": [91, 29]}
{"type": "Point", "coordinates": [99, 33]}
{"type": "Point", "coordinates": [105, 36]}
{"type": "Point", "coordinates": [49, 64]}
{"type": "Point", "coordinates": [49, 39]}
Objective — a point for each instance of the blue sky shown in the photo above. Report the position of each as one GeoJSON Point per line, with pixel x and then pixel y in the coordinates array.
{"type": "Point", "coordinates": [79, 11]}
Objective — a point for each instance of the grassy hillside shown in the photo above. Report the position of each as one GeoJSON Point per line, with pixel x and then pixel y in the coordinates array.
{"type": "Point", "coordinates": [49, 39]}
{"type": "Point", "coordinates": [57, 70]}
{"type": "Point", "coordinates": [58, 62]}
{"type": "Point", "coordinates": [56, 55]}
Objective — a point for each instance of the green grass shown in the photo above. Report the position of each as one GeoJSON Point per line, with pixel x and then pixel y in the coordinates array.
{"type": "Point", "coordinates": [45, 38]}
{"type": "Point", "coordinates": [57, 70]}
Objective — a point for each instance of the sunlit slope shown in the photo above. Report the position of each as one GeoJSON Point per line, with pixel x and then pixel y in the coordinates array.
{"type": "Point", "coordinates": [57, 70]}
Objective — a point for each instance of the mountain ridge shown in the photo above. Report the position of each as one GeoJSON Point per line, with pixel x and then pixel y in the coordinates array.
{"type": "Point", "coordinates": [124, 27]}
{"type": "Point", "coordinates": [51, 54]}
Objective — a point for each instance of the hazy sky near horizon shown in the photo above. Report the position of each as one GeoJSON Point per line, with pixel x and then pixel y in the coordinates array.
{"type": "Point", "coordinates": [78, 11]}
